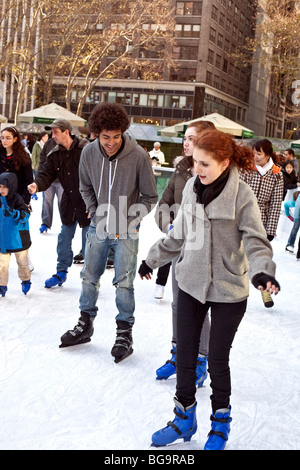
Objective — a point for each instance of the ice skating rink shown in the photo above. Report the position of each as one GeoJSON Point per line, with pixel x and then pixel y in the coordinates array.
{"type": "Point", "coordinates": [79, 399]}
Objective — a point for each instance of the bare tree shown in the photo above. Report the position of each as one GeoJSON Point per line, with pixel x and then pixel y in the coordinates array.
{"type": "Point", "coordinates": [111, 43]}
{"type": "Point", "coordinates": [278, 39]}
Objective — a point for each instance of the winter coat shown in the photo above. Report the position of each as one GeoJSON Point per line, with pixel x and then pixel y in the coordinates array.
{"type": "Point", "coordinates": [64, 164]}
{"type": "Point", "coordinates": [24, 174]}
{"type": "Point", "coordinates": [289, 181]}
{"type": "Point", "coordinates": [14, 226]}
{"type": "Point", "coordinates": [216, 244]}
{"type": "Point", "coordinates": [292, 204]}
{"type": "Point", "coordinates": [36, 152]}
{"type": "Point", "coordinates": [268, 190]}
{"type": "Point", "coordinates": [119, 191]}
{"type": "Point", "coordinates": [170, 201]}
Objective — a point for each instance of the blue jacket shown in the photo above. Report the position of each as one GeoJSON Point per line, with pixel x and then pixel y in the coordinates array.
{"type": "Point", "coordinates": [14, 218]}
{"type": "Point", "coordinates": [292, 203]}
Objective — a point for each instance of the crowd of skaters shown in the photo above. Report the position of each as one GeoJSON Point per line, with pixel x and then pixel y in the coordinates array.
{"type": "Point", "coordinates": [95, 174]}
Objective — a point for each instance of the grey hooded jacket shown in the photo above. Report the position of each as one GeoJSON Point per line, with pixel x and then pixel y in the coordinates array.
{"type": "Point", "coordinates": [118, 193]}
{"type": "Point", "coordinates": [216, 244]}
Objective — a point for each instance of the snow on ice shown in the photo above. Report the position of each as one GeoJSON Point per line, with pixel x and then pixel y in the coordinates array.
{"type": "Point", "coordinates": [79, 399]}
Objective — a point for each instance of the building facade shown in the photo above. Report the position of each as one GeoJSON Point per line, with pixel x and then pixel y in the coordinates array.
{"type": "Point", "coordinates": [206, 79]}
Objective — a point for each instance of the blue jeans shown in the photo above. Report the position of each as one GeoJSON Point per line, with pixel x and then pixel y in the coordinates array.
{"type": "Point", "coordinates": [293, 234]}
{"type": "Point", "coordinates": [125, 264]}
{"type": "Point", "coordinates": [48, 198]}
{"type": "Point", "coordinates": [64, 245]}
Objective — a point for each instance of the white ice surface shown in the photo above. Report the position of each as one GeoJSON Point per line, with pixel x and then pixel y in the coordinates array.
{"type": "Point", "coordinates": [78, 398]}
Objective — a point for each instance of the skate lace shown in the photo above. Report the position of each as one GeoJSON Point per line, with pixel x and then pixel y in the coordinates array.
{"type": "Point", "coordinates": [77, 328]}
{"type": "Point", "coordinates": [123, 339]}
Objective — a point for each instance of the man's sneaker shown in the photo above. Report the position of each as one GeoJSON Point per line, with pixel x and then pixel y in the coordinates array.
{"type": "Point", "coordinates": [109, 264]}
{"type": "Point", "coordinates": [289, 248]}
{"type": "Point", "coordinates": [78, 259]}
{"type": "Point", "coordinates": [159, 292]}
{"type": "Point", "coordinates": [43, 228]}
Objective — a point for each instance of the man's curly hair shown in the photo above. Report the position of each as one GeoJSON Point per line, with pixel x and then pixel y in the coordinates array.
{"type": "Point", "coordinates": [108, 117]}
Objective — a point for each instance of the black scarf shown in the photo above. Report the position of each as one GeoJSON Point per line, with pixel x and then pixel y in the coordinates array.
{"type": "Point", "coordinates": [208, 192]}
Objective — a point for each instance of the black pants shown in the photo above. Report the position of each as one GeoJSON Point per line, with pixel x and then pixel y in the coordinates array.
{"type": "Point", "coordinates": [162, 274]}
{"type": "Point", "coordinates": [225, 319]}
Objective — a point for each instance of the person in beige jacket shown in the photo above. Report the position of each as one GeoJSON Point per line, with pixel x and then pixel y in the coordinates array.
{"type": "Point", "coordinates": [221, 242]}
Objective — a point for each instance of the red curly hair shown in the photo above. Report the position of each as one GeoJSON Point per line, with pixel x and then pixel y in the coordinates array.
{"type": "Point", "coordinates": [222, 146]}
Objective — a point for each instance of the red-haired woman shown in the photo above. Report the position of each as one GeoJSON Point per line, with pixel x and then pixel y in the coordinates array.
{"type": "Point", "coordinates": [15, 159]}
{"type": "Point", "coordinates": [218, 233]}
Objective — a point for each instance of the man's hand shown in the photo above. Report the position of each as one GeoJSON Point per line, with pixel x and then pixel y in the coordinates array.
{"type": "Point", "coordinates": [32, 188]}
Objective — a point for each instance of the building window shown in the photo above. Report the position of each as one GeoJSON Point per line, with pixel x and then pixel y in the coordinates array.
{"type": "Point", "coordinates": [187, 30]}
{"type": "Point", "coordinates": [220, 40]}
{"type": "Point", "coordinates": [218, 61]}
{"type": "Point", "coordinates": [212, 35]}
{"type": "Point", "coordinates": [210, 58]}
{"type": "Point", "coordinates": [188, 8]}
{"type": "Point", "coordinates": [214, 13]}
{"type": "Point", "coordinates": [185, 52]}
{"type": "Point", "coordinates": [222, 19]}
{"type": "Point", "coordinates": [209, 78]}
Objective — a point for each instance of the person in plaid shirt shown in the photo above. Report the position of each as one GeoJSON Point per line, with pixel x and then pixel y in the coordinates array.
{"type": "Point", "coordinates": [266, 181]}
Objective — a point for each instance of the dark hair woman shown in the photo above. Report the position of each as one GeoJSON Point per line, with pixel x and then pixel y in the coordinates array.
{"type": "Point", "coordinates": [266, 180]}
{"type": "Point", "coordinates": [15, 159]}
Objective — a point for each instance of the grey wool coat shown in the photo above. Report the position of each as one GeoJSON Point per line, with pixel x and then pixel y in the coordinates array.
{"type": "Point", "coordinates": [220, 246]}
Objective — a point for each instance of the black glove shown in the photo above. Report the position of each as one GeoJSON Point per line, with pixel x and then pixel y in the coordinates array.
{"type": "Point", "coordinates": [270, 237]}
{"type": "Point", "coordinates": [261, 279]}
{"type": "Point", "coordinates": [144, 269]}
{"type": "Point", "coordinates": [11, 213]}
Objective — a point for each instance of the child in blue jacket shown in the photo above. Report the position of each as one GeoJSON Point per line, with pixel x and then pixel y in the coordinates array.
{"type": "Point", "coordinates": [14, 232]}
{"type": "Point", "coordinates": [295, 202]}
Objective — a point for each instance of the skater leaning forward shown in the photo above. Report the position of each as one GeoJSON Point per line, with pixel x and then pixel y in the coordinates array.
{"type": "Point", "coordinates": [218, 232]}
{"type": "Point", "coordinates": [118, 188]}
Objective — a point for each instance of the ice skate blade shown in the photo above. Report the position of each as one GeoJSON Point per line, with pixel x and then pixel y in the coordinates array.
{"type": "Point", "coordinates": [175, 442]}
{"type": "Point", "coordinates": [83, 341]}
{"type": "Point", "coordinates": [78, 262]}
{"type": "Point", "coordinates": [121, 358]}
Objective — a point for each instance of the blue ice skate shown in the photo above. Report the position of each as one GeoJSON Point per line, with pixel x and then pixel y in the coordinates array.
{"type": "Point", "coordinates": [220, 428]}
{"type": "Point", "coordinates": [43, 228]}
{"type": "Point", "coordinates": [56, 280]}
{"type": "Point", "coordinates": [3, 290]}
{"type": "Point", "coordinates": [201, 370]}
{"type": "Point", "coordinates": [183, 426]}
{"type": "Point", "coordinates": [26, 286]}
{"type": "Point", "coordinates": [169, 368]}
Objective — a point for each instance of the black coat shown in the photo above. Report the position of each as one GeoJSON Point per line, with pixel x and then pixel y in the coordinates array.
{"type": "Point", "coordinates": [289, 180]}
{"type": "Point", "coordinates": [24, 174]}
{"type": "Point", "coordinates": [59, 163]}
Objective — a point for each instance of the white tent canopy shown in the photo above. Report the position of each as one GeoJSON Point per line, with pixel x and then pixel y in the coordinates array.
{"type": "Point", "coordinates": [48, 113]}
{"type": "Point", "coordinates": [3, 118]}
{"type": "Point", "coordinates": [222, 123]}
